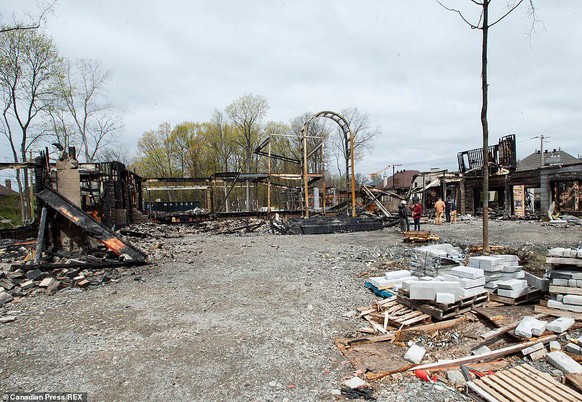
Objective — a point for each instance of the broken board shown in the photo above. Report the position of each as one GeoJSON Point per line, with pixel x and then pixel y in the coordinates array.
{"type": "Point", "coordinates": [93, 228]}
{"type": "Point", "coordinates": [557, 312]}
{"type": "Point", "coordinates": [391, 312]}
{"type": "Point", "coordinates": [375, 360]}
{"type": "Point", "coordinates": [522, 383]}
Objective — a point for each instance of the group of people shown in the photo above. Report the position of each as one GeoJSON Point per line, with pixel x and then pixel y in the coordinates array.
{"type": "Point", "coordinates": [441, 208]}
{"type": "Point", "coordinates": [448, 209]}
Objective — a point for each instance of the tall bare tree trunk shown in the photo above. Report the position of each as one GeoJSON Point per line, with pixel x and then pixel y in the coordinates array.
{"type": "Point", "coordinates": [485, 126]}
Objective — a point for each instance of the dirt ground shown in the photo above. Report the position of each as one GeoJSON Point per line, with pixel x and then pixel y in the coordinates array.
{"type": "Point", "coordinates": [220, 318]}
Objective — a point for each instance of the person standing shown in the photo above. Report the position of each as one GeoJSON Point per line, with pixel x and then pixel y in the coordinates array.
{"type": "Point", "coordinates": [453, 212]}
{"type": "Point", "coordinates": [439, 208]}
{"type": "Point", "coordinates": [448, 208]}
{"type": "Point", "coordinates": [416, 214]}
{"type": "Point", "coordinates": [403, 214]}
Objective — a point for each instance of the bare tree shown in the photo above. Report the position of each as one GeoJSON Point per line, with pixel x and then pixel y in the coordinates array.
{"type": "Point", "coordinates": [83, 91]}
{"type": "Point", "coordinates": [29, 69]}
{"type": "Point", "coordinates": [246, 114]}
{"type": "Point", "coordinates": [484, 23]}
{"type": "Point", "coordinates": [115, 154]}
{"type": "Point", "coordinates": [34, 21]}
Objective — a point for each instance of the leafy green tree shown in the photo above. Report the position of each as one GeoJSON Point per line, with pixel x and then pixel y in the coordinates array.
{"type": "Point", "coordinates": [157, 153]}
{"type": "Point", "coordinates": [220, 144]}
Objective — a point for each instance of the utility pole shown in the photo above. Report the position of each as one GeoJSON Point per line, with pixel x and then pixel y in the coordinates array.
{"type": "Point", "coordinates": [542, 138]}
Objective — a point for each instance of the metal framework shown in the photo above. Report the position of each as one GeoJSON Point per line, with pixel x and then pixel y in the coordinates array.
{"type": "Point", "coordinates": [349, 146]}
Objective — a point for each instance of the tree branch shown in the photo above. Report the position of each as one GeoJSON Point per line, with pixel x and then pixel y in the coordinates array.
{"type": "Point", "coordinates": [507, 13]}
{"type": "Point", "coordinates": [460, 14]}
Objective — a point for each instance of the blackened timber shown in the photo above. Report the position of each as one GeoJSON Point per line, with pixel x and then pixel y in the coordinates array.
{"type": "Point", "coordinates": [93, 228]}
{"type": "Point", "coordinates": [41, 234]}
{"type": "Point", "coordinates": [78, 264]}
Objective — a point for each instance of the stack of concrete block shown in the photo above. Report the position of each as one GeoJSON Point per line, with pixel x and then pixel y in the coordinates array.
{"type": "Point", "coordinates": [565, 252]}
{"type": "Point", "coordinates": [567, 302]}
{"type": "Point", "coordinates": [470, 279]}
{"type": "Point", "coordinates": [501, 269]}
{"type": "Point", "coordinates": [565, 273]}
{"type": "Point", "coordinates": [435, 259]}
{"type": "Point", "coordinates": [428, 290]}
{"type": "Point", "coordinates": [460, 283]}
{"type": "Point", "coordinates": [392, 280]}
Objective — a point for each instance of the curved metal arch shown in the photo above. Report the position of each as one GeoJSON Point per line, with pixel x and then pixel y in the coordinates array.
{"type": "Point", "coordinates": [348, 138]}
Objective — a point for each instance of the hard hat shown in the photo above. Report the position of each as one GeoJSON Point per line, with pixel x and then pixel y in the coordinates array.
{"type": "Point", "coordinates": [403, 202]}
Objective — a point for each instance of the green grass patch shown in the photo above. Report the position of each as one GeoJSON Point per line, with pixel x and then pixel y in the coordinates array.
{"type": "Point", "coordinates": [10, 209]}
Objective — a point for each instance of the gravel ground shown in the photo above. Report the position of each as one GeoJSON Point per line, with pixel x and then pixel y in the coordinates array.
{"type": "Point", "coordinates": [225, 318]}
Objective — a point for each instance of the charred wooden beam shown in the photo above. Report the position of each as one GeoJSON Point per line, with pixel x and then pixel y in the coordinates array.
{"type": "Point", "coordinates": [93, 228]}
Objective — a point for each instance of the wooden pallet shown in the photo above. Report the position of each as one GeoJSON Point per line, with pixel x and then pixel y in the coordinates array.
{"type": "Point", "coordinates": [533, 295]}
{"type": "Point", "coordinates": [521, 384]}
{"type": "Point", "coordinates": [398, 315]}
{"type": "Point", "coordinates": [422, 236]}
{"type": "Point", "coordinates": [440, 311]}
{"type": "Point", "coordinates": [557, 312]}
{"type": "Point", "coordinates": [565, 290]}
{"type": "Point", "coordinates": [564, 261]}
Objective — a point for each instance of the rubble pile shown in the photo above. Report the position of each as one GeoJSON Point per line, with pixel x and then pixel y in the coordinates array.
{"type": "Point", "coordinates": [17, 282]}
{"type": "Point", "coordinates": [228, 226]}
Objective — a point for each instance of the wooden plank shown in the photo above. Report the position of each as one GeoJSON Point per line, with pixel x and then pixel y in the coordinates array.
{"type": "Point", "coordinates": [565, 290]}
{"type": "Point", "coordinates": [375, 325]}
{"type": "Point", "coordinates": [575, 379]}
{"type": "Point", "coordinates": [504, 389]}
{"type": "Point", "coordinates": [564, 261]}
{"type": "Point", "coordinates": [558, 385]}
{"type": "Point", "coordinates": [371, 339]}
{"type": "Point", "coordinates": [489, 366]}
{"type": "Point", "coordinates": [532, 380]}
{"type": "Point", "coordinates": [564, 391]}
{"type": "Point", "coordinates": [523, 383]}
{"type": "Point", "coordinates": [484, 391]}
{"type": "Point", "coordinates": [375, 376]}
{"type": "Point", "coordinates": [486, 356]}
{"type": "Point", "coordinates": [558, 313]}
{"type": "Point", "coordinates": [420, 318]}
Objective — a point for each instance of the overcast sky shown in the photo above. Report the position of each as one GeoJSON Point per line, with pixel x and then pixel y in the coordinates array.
{"type": "Point", "coordinates": [411, 65]}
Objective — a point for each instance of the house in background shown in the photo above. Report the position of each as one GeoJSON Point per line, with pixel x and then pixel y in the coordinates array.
{"type": "Point", "coordinates": [529, 186]}
{"type": "Point", "coordinates": [395, 188]}
{"type": "Point", "coordinates": [547, 177]}
{"type": "Point", "coordinates": [429, 186]}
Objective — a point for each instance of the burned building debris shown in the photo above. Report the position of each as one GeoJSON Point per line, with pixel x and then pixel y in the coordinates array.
{"type": "Point", "coordinates": [525, 188]}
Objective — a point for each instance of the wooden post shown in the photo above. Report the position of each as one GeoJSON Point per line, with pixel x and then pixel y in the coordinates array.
{"type": "Point", "coordinates": [41, 235]}
{"type": "Point", "coordinates": [352, 157]}
{"type": "Point", "coordinates": [305, 174]}
{"type": "Point", "coordinates": [323, 176]}
{"type": "Point", "coordinates": [269, 181]}
{"type": "Point", "coordinates": [31, 194]}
